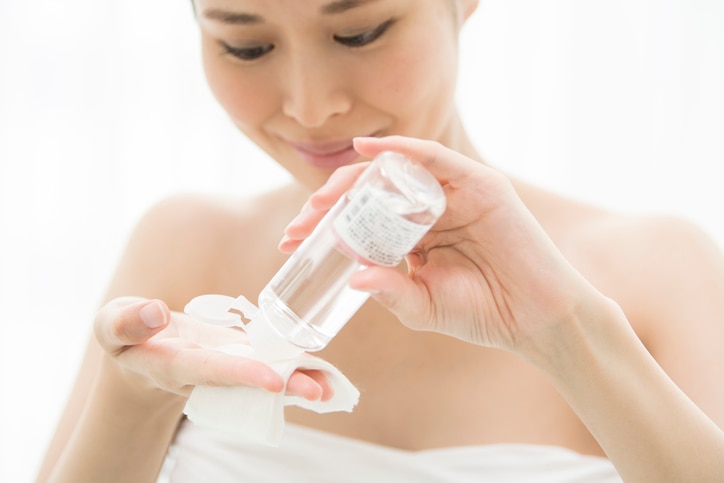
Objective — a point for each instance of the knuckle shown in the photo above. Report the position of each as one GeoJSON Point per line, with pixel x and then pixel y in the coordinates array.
{"type": "Point", "coordinates": [121, 332]}
{"type": "Point", "coordinates": [115, 324]}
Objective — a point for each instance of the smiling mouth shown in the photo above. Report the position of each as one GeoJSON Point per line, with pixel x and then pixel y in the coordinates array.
{"type": "Point", "coordinates": [326, 155]}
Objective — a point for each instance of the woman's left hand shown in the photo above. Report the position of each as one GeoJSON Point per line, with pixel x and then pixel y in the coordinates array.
{"type": "Point", "coordinates": [486, 273]}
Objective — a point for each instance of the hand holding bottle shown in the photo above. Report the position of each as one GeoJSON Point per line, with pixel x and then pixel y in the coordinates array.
{"type": "Point", "coordinates": [486, 272]}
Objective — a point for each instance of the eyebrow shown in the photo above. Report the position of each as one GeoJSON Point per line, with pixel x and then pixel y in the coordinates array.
{"type": "Point", "coordinates": [234, 18]}
{"type": "Point", "coordinates": [238, 18]}
{"type": "Point", "coordinates": [340, 6]}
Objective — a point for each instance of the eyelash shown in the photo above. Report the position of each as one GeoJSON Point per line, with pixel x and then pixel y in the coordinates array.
{"type": "Point", "coordinates": [365, 38]}
{"type": "Point", "coordinates": [356, 41]}
{"type": "Point", "coordinates": [247, 54]}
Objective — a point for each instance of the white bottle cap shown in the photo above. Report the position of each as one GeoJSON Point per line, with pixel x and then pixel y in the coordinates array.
{"type": "Point", "coordinates": [264, 339]}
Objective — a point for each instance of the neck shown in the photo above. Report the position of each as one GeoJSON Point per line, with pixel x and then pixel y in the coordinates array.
{"type": "Point", "coordinates": [457, 139]}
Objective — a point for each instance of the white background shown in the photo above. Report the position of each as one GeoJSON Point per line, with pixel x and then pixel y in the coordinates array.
{"type": "Point", "coordinates": [104, 110]}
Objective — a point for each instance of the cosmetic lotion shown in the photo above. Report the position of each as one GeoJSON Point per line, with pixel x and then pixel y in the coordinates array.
{"type": "Point", "coordinates": [377, 222]}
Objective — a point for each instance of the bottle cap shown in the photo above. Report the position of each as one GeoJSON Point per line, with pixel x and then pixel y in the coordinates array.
{"type": "Point", "coordinates": [266, 341]}
{"type": "Point", "coordinates": [216, 310]}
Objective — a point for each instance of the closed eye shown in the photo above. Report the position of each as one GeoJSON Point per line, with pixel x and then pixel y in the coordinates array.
{"type": "Point", "coordinates": [247, 53]}
{"type": "Point", "coordinates": [366, 37]}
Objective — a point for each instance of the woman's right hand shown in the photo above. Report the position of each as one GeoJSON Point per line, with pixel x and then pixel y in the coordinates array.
{"type": "Point", "coordinates": [156, 348]}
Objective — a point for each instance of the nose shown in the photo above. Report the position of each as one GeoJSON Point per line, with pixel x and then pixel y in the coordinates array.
{"type": "Point", "coordinates": [314, 90]}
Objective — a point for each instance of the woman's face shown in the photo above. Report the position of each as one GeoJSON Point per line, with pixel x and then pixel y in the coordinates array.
{"type": "Point", "coordinates": [301, 78]}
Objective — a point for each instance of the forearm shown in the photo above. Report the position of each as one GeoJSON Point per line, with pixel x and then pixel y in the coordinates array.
{"type": "Point", "coordinates": [123, 434]}
{"type": "Point", "coordinates": [648, 428]}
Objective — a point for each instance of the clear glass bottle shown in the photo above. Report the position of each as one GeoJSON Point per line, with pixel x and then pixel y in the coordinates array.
{"type": "Point", "coordinates": [377, 222]}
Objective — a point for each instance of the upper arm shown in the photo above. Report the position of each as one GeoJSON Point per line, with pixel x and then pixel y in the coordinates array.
{"type": "Point", "coordinates": [160, 261]}
{"type": "Point", "coordinates": [172, 251]}
{"type": "Point", "coordinates": [73, 408]}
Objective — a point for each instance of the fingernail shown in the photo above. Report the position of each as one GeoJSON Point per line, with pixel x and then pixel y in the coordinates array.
{"type": "Point", "coordinates": [152, 315]}
{"type": "Point", "coordinates": [297, 219]}
{"type": "Point", "coordinates": [285, 239]}
{"type": "Point", "coordinates": [372, 292]}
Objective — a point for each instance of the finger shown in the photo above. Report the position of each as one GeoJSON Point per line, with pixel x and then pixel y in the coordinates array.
{"type": "Point", "coordinates": [338, 183]}
{"type": "Point", "coordinates": [219, 369]}
{"type": "Point", "coordinates": [394, 290]}
{"type": "Point", "coordinates": [310, 384]}
{"type": "Point", "coordinates": [129, 321]}
{"type": "Point", "coordinates": [321, 379]}
{"type": "Point", "coordinates": [181, 366]}
{"type": "Point", "coordinates": [448, 166]}
{"type": "Point", "coordinates": [299, 229]}
{"type": "Point", "coordinates": [318, 205]}
{"type": "Point", "coordinates": [301, 384]}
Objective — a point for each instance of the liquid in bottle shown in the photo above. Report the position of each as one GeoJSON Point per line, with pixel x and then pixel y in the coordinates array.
{"type": "Point", "coordinates": [377, 222]}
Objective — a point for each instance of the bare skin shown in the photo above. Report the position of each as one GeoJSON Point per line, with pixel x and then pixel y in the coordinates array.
{"type": "Point", "coordinates": [461, 391]}
{"type": "Point", "coordinates": [563, 361]}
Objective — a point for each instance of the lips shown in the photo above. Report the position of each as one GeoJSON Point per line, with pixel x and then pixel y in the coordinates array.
{"type": "Point", "coordinates": [327, 155]}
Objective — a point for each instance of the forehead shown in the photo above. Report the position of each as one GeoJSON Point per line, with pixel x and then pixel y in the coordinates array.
{"type": "Point", "coordinates": [322, 7]}
{"type": "Point", "coordinates": [303, 14]}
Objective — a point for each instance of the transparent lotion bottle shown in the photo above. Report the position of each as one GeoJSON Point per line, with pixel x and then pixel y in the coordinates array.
{"type": "Point", "coordinates": [377, 222]}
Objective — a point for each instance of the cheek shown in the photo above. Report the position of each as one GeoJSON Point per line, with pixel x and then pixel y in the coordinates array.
{"type": "Point", "coordinates": [420, 78]}
{"type": "Point", "coordinates": [246, 98]}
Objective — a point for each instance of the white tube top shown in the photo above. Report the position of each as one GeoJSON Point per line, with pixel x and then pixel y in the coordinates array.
{"type": "Point", "coordinates": [306, 455]}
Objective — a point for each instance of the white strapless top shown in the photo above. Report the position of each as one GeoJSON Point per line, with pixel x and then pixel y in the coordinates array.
{"type": "Point", "coordinates": [307, 455]}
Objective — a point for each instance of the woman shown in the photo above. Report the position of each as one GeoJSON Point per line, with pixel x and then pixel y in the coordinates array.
{"type": "Point", "coordinates": [536, 316]}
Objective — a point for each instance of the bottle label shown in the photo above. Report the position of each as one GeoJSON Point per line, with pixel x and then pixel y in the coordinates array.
{"type": "Point", "coordinates": [373, 231]}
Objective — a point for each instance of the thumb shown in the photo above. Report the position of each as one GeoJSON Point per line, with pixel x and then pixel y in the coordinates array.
{"type": "Point", "coordinates": [129, 321]}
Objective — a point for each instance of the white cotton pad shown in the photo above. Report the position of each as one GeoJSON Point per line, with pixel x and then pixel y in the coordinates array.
{"type": "Point", "coordinates": [249, 412]}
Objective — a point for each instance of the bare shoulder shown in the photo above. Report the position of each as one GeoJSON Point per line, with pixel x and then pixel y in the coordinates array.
{"type": "Point", "coordinates": [185, 244]}
{"type": "Point", "coordinates": [668, 276]}
{"type": "Point", "coordinates": [656, 265]}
